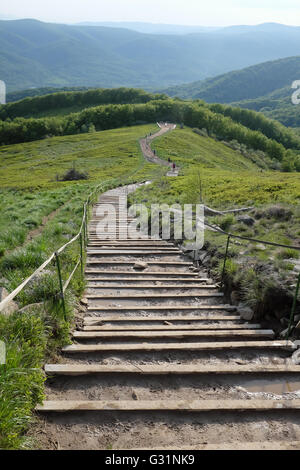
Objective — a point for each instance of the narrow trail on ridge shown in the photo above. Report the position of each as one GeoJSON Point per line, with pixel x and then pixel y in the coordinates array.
{"type": "Point", "coordinates": [150, 155]}
{"type": "Point", "coordinates": [159, 360]}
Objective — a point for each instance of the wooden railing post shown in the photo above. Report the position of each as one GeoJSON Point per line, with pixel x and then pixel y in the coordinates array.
{"type": "Point", "coordinates": [62, 295]}
{"type": "Point", "coordinates": [225, 258]}
{"type": "Point", "coordinates": [81, 253]}
{"type": "Point", "coordinates": [293, 308]}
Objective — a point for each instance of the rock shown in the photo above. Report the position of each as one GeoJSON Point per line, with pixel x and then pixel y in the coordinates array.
{"type": "Point", "coordinates": [245, 312]}
{"type": "Point", "coordinates": [30, 307]}
{"type": "Point", "coordinates": [140, 265]}
{"type": "Point", "coordinates": [134, 395]}
{"type": "Point", "coordinates": [235, 297]}
{"type": "Point", "coordinates": [297, 318]}
{"type": "Point", "coordinates": [296, 358]}
{"type": "Point", "coordinates": [11, 306]}
{"type": "Point", "coordinates": [84, 301]}
{"type": "Point", "coordinates": [202, 257]}
{"type": "Point", "coordinates": [261, 247]}
{"type": "Point", "coordinates": [168, 323]}
{"type": "Point", "coordinates": [284, 333]}
{"type": "Point", "coordinates": [207, 260]}
{"type": "Point", "coordinates": [246, 219]}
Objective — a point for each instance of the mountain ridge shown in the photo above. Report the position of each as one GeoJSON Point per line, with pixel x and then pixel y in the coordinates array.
{"type": "Point", "coordinates": [37, 54]}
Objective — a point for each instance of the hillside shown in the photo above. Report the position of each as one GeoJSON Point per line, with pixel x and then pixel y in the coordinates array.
{"type": "Point", "coordinates": [276, 105]}
{"type": "Point", "coordinates": [36, 54]}
{"type": "Point", "coordinates": [65, 102]}
{"type": "Point", "coordinates": [265, 88]}
{"type": "Point", "coordinates": [70, 113]}
{"type": "Point", "coordinates": [249, 83]}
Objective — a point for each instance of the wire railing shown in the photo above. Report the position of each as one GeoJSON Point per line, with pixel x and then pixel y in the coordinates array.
{"type": "Point", "coordinates": [231, 236]}
{"type": "Point", "coordinates": [82, 236]}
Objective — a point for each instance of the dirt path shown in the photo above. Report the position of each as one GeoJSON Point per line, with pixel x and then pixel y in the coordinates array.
{"type": "Point", "coordinates": [160, 361]}
{"type": "Point", "coordinates": [149, 154]}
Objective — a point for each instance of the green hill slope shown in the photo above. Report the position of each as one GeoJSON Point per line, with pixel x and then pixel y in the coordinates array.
{"type": "Point", "coordinates": [73, 113]}
{"type": "Point", "coordinates": [265, 88]}
{"type": "Point", "coordinates": [249, 83]}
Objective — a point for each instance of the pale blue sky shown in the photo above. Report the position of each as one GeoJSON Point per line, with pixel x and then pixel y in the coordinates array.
{"type": "Point", "coordinates": [188, 12]}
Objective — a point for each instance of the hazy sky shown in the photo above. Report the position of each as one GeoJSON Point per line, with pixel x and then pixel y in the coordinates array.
{"type": "Point", "coordinates": [189, 12]}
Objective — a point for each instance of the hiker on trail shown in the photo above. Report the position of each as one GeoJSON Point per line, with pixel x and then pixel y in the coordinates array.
{"type": "Point", "coordinates": [169, 160]}
{"type": "Point", "coordinates": [174, 166]}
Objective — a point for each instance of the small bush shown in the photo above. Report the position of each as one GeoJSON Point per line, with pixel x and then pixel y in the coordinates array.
{"type": "Point", "coordinates": [288, 253]}
{"type": "Point", "coordinates": [73, 175]}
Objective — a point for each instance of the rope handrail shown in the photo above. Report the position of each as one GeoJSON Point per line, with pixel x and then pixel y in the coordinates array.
{"type": "Point", "coordinates": [232, 235]}
{"type": "Point", "coordinates": [95, 191]}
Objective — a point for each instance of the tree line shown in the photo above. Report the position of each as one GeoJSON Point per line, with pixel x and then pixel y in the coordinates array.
{"type": "Point", "coordinates": [194, 115]}
{"type": "Point", "coordinates": [55, 101]}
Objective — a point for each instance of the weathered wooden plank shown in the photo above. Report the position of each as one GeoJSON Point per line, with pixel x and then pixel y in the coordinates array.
{"type": "Point", "coordinates": [212, 318]}
{"type": "Point", "coordinates": [220, 369]}
{"type": "Point", "coordinates": [174, 334]}
{"type": "Point", "coordinates": [163, 263]}
{"type": "Point", "coordinates": [145, 273]}
{"type": "Point", "coordinates": [131, 252]}
{"type": "Point", "coordinates": [237, 445]}
{"type": "Point", "coordinates": [169, 307]}
{"type": "Point", "coordinates": [217, 346]}
{"type": "Point", "coordinates": [171, 327]}
{"type": "Point", "coordinates": [152, 286]}
{"type": "Point", "coordinates": [170, 405]}
{"type": "Point", "coordinates": [152, 296]}
{"type": "Point", "coordinates": [154, 279]}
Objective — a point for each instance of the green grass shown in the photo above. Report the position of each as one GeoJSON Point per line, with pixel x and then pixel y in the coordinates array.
{"type": "Point", "coordinates": [185, 147]}
{"type": "Point", "coordinates": [103, 155]}
{"type": "Point", "coordinates": [228, 178]}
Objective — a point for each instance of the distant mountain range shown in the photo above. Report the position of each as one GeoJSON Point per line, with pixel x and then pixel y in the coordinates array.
{"type": "Point", "coordinates": [152, 28]}
{"type": "Point", "coordinates": [264, 87]}
{"type": "Point", "coordinates": [35, 54]}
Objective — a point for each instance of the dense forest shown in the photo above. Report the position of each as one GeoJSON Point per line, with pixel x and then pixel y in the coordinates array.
{"type": "Point", "coordinates": [28, 107]}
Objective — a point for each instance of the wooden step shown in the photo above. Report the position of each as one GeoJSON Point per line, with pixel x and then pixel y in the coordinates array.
{"type": "Point", "coordinates": [238, 445]}
{"type": "Point", "coordinates": [152, 279]}
{"type": "Point", "coordinates": [151, 296]}
{"type": "Point", "coordinates": [95, 320]}
{"type": "Point", "coordinates": [150, 286]}
{"type": "Point", "coordinates": [179, 334]}
{"type": "Point", "coordinates": [168, 308]}
{"type": "Point", "coordinates": [146, 273]}
{"type": "Point", "coordinates": [156, 263]}
{"type": "Point", "coordinates": [170, 405]}
{"type": "Point", "coordinates": [217, 346]}
{"type": "Point", "coordinates": [171, 327]}
{"type": "Point", "coordinates": [145, 243]}
{"type": "Point", "coordinates": [132, 252]}
{"type": "Point", "coordinates": [220, 369]}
